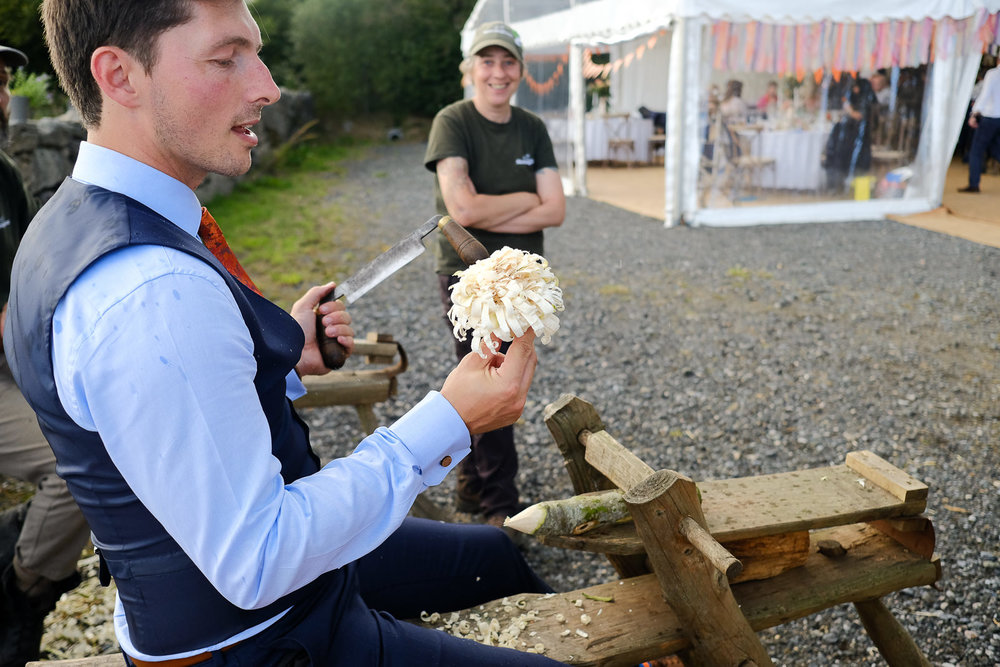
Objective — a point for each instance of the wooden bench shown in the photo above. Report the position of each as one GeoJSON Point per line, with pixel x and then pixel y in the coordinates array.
{"type": "Point", "coordinates": [705, 566]}
{"type": "Point", "coordinates": [806, 541]}
{"type": "Point", "coordinates": [363, 388]}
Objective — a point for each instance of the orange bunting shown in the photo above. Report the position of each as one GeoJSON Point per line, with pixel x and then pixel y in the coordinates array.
{"type": "Point", "coordinates": [544, 88]}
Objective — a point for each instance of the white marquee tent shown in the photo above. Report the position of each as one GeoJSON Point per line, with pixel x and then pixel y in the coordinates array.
{"type": "Point", "coordinates": [667, 53]}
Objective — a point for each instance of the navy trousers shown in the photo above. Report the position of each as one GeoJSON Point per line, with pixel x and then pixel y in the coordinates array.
{"type": "Point", "coordinates": [985, 141]}
{"type": "Point", "coordinates": [424, 566]}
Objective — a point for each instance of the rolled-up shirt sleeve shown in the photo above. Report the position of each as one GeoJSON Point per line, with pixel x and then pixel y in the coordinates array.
{"type": "Point", "coordinates": [154, 355]}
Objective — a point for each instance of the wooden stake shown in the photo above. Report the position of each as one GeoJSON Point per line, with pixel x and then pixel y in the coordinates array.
{"type": "Point", "coordinates": [717, 555]}
{"type": "Point", "coordinates": [571, 516]}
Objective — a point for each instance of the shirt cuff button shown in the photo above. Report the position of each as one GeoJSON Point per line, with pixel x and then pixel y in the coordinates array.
{"type": "Point", "coordinates": [446, 461]}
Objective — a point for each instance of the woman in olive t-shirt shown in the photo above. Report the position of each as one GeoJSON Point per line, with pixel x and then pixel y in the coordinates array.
{"type": "Point", "coordinates": [496, 175]}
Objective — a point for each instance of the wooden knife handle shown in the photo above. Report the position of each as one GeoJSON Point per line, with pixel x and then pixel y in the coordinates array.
{"type": "Point", "coordinates": [333, 353]}
{"type": "Point", "coordinates": [465, 244]}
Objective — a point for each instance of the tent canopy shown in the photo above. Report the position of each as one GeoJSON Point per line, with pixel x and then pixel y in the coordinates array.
{"type": "Point", "coordinates": [703, 40]}
{"type": "Point", "coordinates": [553, 22]}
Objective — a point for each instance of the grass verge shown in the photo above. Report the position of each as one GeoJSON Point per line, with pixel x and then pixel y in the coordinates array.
{"type": "Point", "coordinates": [287, 230]}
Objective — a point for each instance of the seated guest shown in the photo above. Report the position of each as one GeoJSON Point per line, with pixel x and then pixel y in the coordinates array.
{"type": "Point", "coordinates": [659, 118]}
{"type": "Point", "coordinates": [768, 102]}
{"type": "Point", "coordinates": [733, 108]}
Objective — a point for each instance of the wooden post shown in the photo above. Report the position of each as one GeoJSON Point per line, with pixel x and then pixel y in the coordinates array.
{"type": "Point", "coordinates": [696, 590]}
{"type": "Point", "coordinates": [567, 418]}
{"type": "Point", "coordinates": [717, 555]}
{"type": "Point", "coordinates": [889, 636]}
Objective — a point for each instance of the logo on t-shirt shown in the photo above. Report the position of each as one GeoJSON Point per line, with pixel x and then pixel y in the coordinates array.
{"type": "Point", "coordinates": [525, 160]}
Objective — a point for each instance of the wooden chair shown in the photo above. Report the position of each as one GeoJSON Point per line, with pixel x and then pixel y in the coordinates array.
{"type": "Point", "coordinates": [620, 139]}
{"type": "Point", "coordinates": [730, 163]}
{"type": "Point", "coordinates": [657, 147]}
{"type": "Point", "coordinates": [750, 166]}
{"type": "Point", "coordinates": [893, 143]}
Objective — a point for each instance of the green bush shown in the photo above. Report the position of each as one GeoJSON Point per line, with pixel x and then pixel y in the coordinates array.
{"type": "Point", "coordinates": [35, 87]}
{"type": "Point", "coordinates": [398, 57]}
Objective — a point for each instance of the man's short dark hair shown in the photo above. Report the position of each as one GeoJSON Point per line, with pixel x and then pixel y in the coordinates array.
{"type": "Point", "coordinates": [74, 29]}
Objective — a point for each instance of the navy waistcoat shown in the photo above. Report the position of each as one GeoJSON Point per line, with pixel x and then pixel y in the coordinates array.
{"type": "Point", "coordinates": [170, 606]}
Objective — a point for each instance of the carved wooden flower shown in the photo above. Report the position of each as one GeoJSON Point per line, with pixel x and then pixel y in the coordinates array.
{"type": "Point", "coordinates": [504, 295]}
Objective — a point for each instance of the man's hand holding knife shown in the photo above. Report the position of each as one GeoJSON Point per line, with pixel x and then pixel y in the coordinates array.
{"type": "Point", "coordinates": [486, 393]}
{"type": "Point", "coordinates": [311, 310]}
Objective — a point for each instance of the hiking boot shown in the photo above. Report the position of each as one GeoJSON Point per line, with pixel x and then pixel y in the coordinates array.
{"type": "Point", "coordinates": [466, 505]}
{"type": "Point", "coordinates": [11, 521]}
{"type": "Point", "coordinates": [22, 615]}
{"type": "Point", "coordinates": [467, 487]}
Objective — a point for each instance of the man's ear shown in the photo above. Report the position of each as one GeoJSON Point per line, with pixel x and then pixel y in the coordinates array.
{"type": "Point", "coordinates": [113, 69]}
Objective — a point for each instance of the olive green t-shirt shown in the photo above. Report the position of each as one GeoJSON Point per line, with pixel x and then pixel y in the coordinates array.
{"type": "Point", "coordinates": [502, 157]}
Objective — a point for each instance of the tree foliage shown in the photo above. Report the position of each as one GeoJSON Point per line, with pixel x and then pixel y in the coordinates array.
{"type": "Point", "coordinates": [274, 18]}
{"type": "Point", "coordinates": [21, 28]}
{"type": "Point", "coordinates": [390, 56]}
{"type": "Point", "coordinates": [356, 56]}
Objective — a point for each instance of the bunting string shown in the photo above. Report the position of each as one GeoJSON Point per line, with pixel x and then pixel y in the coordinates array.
{"type": "Point", "coordinates": [592, 70]}
{"type": "Point", "coordinates": [542, 88]}
{"type": "Point", "coordinates": [846, 47]}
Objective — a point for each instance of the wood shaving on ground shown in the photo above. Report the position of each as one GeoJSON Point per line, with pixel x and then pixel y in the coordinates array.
{"type": "Point", "coordinates": [486, 627]}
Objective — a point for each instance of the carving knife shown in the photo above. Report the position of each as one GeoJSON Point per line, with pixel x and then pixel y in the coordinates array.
{"type": "Point", "coordinates": [405, 251]}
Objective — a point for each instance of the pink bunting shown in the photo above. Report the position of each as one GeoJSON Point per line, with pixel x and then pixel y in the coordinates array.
{"type": "Point", "coordinates": [720, 32]}
{"type": "Point", "coordinates": [842, 47]}
{"type": "Point", "coordinates": [751, 43]}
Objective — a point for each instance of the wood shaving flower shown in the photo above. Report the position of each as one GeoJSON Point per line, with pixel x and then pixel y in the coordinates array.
{"type": "Point", "coordinates": [504, 295]}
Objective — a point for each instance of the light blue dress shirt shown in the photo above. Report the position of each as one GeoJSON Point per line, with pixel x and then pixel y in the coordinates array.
{"type": "Point", "coordinates": [988, 100]}
{"type": "Point", "coordinates": [150, 350]}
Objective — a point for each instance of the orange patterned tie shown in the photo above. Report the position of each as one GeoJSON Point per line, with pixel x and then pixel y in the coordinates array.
{"type": "Point", "coordinates": [211, 236]}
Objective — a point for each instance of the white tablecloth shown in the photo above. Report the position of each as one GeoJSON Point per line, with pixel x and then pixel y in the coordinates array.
{"type": "Point", "coordinates": [597, 132]}
{"type": "Point", "coordinates": [796, 154]}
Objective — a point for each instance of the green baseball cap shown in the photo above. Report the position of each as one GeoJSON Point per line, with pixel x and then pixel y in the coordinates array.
{"type": "Point", "coordinates": [500, 34]}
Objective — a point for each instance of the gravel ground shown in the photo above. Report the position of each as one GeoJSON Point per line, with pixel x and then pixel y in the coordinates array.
{"type": "Point", "coordinates": [733, 352]}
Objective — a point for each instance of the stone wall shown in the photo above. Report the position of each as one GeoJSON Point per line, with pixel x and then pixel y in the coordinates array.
{"type": "Point", "coordinates": [46, 148]}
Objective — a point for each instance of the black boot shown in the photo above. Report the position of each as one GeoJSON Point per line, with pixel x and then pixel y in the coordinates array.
{"type": "Point", "coordinates": [22, 615]}
{"type": "Point", "coordinates": [11, 521]}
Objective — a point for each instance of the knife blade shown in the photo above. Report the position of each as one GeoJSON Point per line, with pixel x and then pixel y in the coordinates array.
{"type": "Point", "coordinates": [374, 272]}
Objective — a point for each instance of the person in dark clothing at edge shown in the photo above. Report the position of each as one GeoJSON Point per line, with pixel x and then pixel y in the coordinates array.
{"type": "Point", "coordinates": [495, 173]}
{"type": "Point", "coordinates": [41, 540]}
{"type": "Point", "coordinates": [848, 151]}
{"type": "Point", "coordinates": [162, 380]}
